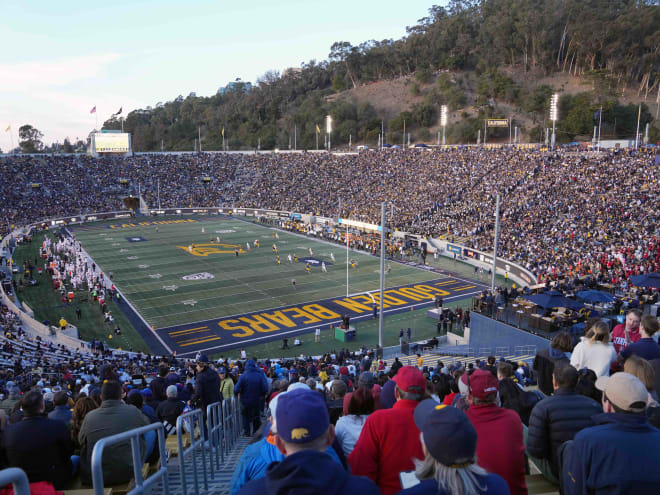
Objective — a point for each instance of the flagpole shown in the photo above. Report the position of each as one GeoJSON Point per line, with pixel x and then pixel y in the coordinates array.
{"type": "Point", "coordinates": [600, 121]}
{"type": "Point", "coordinates": [639, 114]}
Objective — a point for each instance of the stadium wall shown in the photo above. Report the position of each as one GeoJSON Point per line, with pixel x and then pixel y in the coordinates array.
{"type": "Point", "coordinates": [486, 332]}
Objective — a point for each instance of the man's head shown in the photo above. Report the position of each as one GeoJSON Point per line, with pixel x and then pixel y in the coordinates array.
{"type": "Point", "coordinates": [163, 370]}
{"type": "Point", "coordinates": [111, 390]}
{"type": "Point", "coordinates": [60, 399]}
{"type": "Point", "coordinates": [633, 319]}
{"type": "Point", "coordinates": [302, 422]}
{"type": "Point", "coordinates": [410, 384]}
{"type": "Point", "coordinates": [649, 325]}
{"type": "Point", "coordinates": [482, 387]}
{"type": "Point", "coordinates": [623, 393]}
{"type": "Point", "coordinates": [202, 362]}
{"type": "Point", "coordinates": [562, 342]}
{"type": "Point", "coordinates": [564, 376]}
{"type": "Point", "coordinates": [33, 403]}
{"type": "Point", "coordinates": [447, 434]}
{"type": "Point", "coordinates": [504, 370]}
{"type": "Point", "coordinates": [172, 392]}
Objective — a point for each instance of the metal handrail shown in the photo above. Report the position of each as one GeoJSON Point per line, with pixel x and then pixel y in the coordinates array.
{"type": "Point", "coordinates": [17, 478]}
{"type": "Point", "coordinates": [216, 434]}
{"type": "Point", "coordinates": [141, 485]}
{"type": "Point", "coordinates": [196, 418]}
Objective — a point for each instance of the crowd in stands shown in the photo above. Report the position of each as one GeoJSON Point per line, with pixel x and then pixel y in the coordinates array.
{"type": "Point", "coordinates": [562, 214]}
{"type": "Point", "coordinates": [346, 421]}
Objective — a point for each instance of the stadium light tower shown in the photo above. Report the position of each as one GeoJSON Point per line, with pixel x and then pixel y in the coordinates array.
{"type": "Point", "coordinates": [443, 121]}
{"type": "Point", "coordinates": [328, 129]}
{"type": "Point", "coordinates": [554, 101]}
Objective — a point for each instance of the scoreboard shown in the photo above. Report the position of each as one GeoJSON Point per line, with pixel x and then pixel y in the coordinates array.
{"type": "Point", "coordinates": [110, 142]}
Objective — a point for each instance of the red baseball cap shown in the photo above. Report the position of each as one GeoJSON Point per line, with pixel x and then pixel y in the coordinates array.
{"type": "Point", "coordinates": [481, 383]}
{"type": "Point", "coordinates": [408, 377]}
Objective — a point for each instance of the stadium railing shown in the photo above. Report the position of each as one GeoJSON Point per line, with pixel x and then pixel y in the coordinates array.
{"type": "Point", "coordinates": [192, 424]}
{"type": "Point", "coordinates": [216, 435]}
{"type": "Point", "coordinates": [141, 485]}
{"type": "Point", "coordinates": [17, 478]}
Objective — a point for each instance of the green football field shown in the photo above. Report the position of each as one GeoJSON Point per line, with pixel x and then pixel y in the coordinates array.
{"type": "Point", "coordinates": [151, 273]}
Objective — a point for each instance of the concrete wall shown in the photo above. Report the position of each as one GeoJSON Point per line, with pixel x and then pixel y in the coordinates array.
{"type": "Point", "coordinates": [486, 332]}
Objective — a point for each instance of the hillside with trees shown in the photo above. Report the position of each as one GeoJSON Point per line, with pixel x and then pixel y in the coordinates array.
{"type": "Point", "coordinates": [489, 58]}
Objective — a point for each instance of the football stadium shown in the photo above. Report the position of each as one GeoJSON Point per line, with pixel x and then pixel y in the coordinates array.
{"type": "Point", "coordinates": [416, 267]}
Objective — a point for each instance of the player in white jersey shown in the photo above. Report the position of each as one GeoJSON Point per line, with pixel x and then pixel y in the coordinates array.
{"type": "Point", "coordinates": [289, 258]}
{"type": "Point", "coordinates": [332, 257]}
{"type": "Point", "coordinates": [311, 253]}
{"type": "Point", "coordinates": [247, 244]}
{"type": "Point", "coordinates": [323, 268]}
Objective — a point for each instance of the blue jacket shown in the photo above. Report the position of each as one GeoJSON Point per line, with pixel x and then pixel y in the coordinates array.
{"type": "Point", "coordinates": [619, 456]}
{"type": "Point", "coordinates": [495, 485]}
{"type": "Point", "coordinates": [252, 384]}
{"type": "Point", "coordinates": [256, 458]}
{"type": "Point", "coordinates": [557, 419]}
{"type": "Point", "coordinates": [61, 413]}
{"type": "Point", "coordinates": [309, 472]}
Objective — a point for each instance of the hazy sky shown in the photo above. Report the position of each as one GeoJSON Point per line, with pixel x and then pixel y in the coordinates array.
{"type": "Point", "coordinates": [60, 59]}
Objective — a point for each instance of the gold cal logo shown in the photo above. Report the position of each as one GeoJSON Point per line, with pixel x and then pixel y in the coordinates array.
{"type": "Point", "coordinates": [206, 249]}
{"type": "Point", "coordinates": [299, 433]}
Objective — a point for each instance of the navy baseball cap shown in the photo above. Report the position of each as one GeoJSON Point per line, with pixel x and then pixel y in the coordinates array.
{"type": "Point", "coordinates": [301, 416]}
{"type": "Point", "coordinates": [448, 434]}
{"type": "Point", "coordinates": [203, 359]}
{"type": "Point", "coordinates": [222, 369]}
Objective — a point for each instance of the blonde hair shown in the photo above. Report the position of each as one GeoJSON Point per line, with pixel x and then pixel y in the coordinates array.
{"type": "Point", "coordinates": [642, 369]}
{"type": "Point", "coordinates": [599, 332]}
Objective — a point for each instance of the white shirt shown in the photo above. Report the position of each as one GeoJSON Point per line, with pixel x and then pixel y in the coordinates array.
{"type": "Point", "coordinates": [595, 356]}
{"type": "Point", "coordinates": [348, 431]}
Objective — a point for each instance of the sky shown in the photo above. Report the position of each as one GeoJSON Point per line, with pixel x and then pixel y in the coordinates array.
{"type": "Point", "coordinates": [61, 59]}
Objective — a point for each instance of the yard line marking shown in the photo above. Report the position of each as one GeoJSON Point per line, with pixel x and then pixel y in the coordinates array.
{"type": "Point", "coordinates": [200, 341]}
{"type": "Point", "coordinates": [187, 330]}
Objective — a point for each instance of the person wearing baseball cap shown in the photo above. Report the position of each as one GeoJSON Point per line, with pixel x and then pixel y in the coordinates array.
{"type": "Point", "coordinates": [226, 383]}
{"type": "Point", "coordinates": [304, 434]}
{"type": "Point", "coordinates": [621, 454]}
{"type": "Point", "coordinates": [389, 439]}
{"type": "Point", "coordinates": [500, 447]}
{"type": "Point", "coordinates": [449, 442]}
{"type": "Point", "coordinates": [207, 388]}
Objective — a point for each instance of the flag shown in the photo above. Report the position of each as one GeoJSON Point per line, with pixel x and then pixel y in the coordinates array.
{"type": "Point", "coordinates": [93, 110]}
{"type": "Point", "coordinates": [223, 132]}
{"type": "Point", "coordinates": [596, 114]}
{"type": "Point", "coordinates": [318, 129]}
{"type": "Point", "coordinates": [8, 128]}
{"type": "Point", "coordinates": [119, 112]}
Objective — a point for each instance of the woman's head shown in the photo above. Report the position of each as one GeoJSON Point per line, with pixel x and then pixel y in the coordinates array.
{"type": "Point", "coordinates": [599, 332]}
{"type": "Point", "coordinates": [642, 369]}
{"type": "Point", "coordinates": [362, 402]}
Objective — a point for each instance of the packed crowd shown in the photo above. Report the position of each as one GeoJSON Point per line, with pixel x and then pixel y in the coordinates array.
{"type": "Point", "coordinates": [561, 214]}
{"type": "Point", "coordinates": [346, 422]}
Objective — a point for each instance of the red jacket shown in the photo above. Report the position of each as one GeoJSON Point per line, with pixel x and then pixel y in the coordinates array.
{"type": "Point", "coordinates": [387, 444]}
{"type": "Point", "coordinates": [619, 337]}
{"type": "Point", "coordinates": [500, 447]}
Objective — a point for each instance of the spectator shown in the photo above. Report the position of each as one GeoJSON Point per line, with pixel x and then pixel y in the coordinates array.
{"type": "Point", "coordinates": [646, 347]}
{"type": "Point", "coordinates": [557, 419]}
{"type": "Point", "coordinates": [111, 418]}
{"type": "Point", "coordinates": [61, 412]}
{"type": "Point", "coordinates": [368, 381]}
{"type": "Point", "coordinates": [304, 434]}
{"type": "Point", "coordinates": [159, 384]}
{"type": "Point", "coordinates": [622, 453]}
{"type": "Point", "coordinates": [643, 370]}
{"type": "Point", "coordinates": [500, 447]}
{"type": "Point", "coordinates": [335, 400]}
{"type": "Point", "coordinates": [348, 428]}
{"type": "Point", "coordinates": [626, 333]}
{"type": "Point", "coordinates": [80, 409]}
{"type": "Point", "coordinates": [449, 443]}
{"type": "Point", "coordinates": [595, 351]}
{"type": "Point", "coordinates": [546, 359]}
{"type": "Point", "coordinates": [40, 446]}
{"type": "Point", "coordinates": [12, 399]}
{"type": "Point", "coordinates": [135, 398]}
{"type": "Point", "coordinates": [251, 388]}
{"type": "Point", "coordinates": [512, 395]}
{"type": "Point", "coordinates": [207, 388]}
{"type": "Point", "coordinates": [226, 383]}
{"type": "Point", "coordinates": [169, 410]}
{"type": "Point", "coordinates": [389, 440]}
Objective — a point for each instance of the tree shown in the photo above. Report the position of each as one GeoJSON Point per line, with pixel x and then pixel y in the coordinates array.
{"type": "Point", "coordinates": [30, 139]}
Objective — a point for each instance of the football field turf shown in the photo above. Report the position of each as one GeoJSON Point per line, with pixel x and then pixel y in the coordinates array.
{"type": "Point", "coordinates": [206, 297]}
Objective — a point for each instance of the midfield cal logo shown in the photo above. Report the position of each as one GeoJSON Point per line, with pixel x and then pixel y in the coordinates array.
{"type": "Point", "coordinates": [214, 248]}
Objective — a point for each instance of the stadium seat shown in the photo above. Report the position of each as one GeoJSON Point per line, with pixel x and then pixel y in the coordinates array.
{"type": "Point", "coordinates": [538, 485]}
